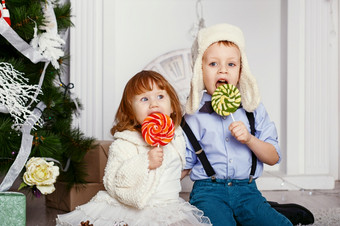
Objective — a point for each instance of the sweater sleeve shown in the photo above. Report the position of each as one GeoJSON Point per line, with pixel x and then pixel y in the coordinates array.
{"type": "Point", "coordinates": [127, 177]}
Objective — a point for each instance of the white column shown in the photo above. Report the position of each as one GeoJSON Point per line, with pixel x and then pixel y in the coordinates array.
{"type": "Point", "coordinates": [312, 98]}
{"type": "Point", "coordinates": [321, 88]}
{"type": "Point", "coordinates": [295, 86]}
{"type": "Point", "coordinates": [337, 166]}
{"type": "Point", "coordinates": [86, 64]}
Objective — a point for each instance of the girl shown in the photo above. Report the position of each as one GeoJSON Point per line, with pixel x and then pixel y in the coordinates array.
{"type": "Point", "coordinates": [142, 182]}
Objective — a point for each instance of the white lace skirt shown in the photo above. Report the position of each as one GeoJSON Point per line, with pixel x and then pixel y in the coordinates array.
{"type": "Point", "coordinates": [101, 212]}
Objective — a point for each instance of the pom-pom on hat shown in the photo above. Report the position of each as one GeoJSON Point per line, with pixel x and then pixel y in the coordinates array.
{"type": "Point", "coordinates": [247, 83]}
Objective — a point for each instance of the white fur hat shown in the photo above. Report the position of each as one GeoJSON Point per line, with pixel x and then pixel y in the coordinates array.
{"type": "Point", "coordinates": [247, 84]}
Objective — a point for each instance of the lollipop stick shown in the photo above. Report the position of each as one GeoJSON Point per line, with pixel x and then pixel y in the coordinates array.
{"type": "Point", "coordinates": [232, 117]}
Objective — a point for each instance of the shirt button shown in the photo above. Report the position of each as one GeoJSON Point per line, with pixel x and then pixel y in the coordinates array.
{"type": "Point", "coordinates": [230, 160]}
{"type": "Point", "coordinates": [227, 139]}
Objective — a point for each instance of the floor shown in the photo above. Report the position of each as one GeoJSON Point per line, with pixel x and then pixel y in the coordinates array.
{"type": "Point", "coordinates": [38, 214]}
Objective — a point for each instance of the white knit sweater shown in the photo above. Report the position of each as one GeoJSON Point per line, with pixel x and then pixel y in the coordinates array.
{"type": "Point", "coordinates": [127, 177]}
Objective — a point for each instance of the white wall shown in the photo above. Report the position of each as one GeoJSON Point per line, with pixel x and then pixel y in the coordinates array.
{"type": "Point", "coordinates": [144, 30]}
{"type": "Point", "coordinates": [114, 39]}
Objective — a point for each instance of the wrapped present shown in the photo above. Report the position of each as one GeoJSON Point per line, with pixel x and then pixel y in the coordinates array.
{"type": "Point", "coordinates": [12, 209]}
{"type": "Point", "coordinates": [68, 199]}
{"type": "Point", "coordinates": [95, 160]}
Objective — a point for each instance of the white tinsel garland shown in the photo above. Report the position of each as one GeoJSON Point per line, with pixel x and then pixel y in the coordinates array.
{"type": "Point", "coordinates": [15, 94]}
{"type": "Point", "coordinates": [49, 43]}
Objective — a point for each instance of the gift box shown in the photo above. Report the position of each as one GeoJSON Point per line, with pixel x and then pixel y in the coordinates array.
{"type": "Point", "coordinates": [95, 160]}
{"type": "Point", "coordinates": [68, 199]}
{"type": "Point", "coordinates": [12, 209]}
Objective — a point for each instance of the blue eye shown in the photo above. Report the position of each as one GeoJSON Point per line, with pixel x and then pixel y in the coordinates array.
{"type": "Point", "coordinates": [231, 64]}
{"type": "Point", "coordinates": [143, 99]}
{"type": "Point", "coordinates": [160, 97]}
{"type": "Point", "coordinates": [213, 64]}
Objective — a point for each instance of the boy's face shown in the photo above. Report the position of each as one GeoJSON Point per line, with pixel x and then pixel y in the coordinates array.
{"type": "Point", "coordinates": [156, 100]}
{"type": "Point", "coordinates": [220, 65]}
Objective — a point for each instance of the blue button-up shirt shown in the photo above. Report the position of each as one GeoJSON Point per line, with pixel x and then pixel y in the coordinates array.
{"type": "Point", "coordinates": [229, 158]}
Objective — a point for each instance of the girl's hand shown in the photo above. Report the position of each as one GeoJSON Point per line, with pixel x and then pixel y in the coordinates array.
{"type": "Point", "coordinates": [155, 158]}
{"type": "Point", "coordinates": [184, 173]}
{"type": "Point", "coordinates": [240, 132]}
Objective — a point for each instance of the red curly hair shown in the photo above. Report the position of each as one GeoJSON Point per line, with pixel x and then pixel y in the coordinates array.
{"type": "Point", "coordinates": [140, 83]}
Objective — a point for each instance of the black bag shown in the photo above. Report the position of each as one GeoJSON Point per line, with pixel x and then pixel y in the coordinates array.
{"type": "Point", "coordinates": [297, 214]}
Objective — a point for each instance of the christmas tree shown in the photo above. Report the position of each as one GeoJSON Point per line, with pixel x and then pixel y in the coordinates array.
{"type": "Point", "coordinates": [27, 87]}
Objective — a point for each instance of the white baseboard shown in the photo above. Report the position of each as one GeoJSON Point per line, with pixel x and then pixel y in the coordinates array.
{"type": "Point", "coordinates": [275, 181]}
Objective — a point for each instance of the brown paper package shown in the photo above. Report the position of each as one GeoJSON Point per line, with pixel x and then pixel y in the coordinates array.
{"type": "Point", "coordinates": [67, 200]}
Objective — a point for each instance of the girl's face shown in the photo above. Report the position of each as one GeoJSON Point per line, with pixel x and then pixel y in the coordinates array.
{"type": "Point", "coordinates": [156, 100]}
{"type": "Point", "coordinates": [220, 65]}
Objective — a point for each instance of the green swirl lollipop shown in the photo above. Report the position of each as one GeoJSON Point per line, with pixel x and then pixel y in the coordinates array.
{"type": "Point", "coordinates": [226, 99]}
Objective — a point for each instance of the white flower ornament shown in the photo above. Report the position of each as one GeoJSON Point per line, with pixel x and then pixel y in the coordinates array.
{"type": "Point", "coordinates": [42, 174]}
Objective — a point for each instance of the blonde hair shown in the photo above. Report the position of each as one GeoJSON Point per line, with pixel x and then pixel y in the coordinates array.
{"type": "Point", "coordinates": [142, 82]}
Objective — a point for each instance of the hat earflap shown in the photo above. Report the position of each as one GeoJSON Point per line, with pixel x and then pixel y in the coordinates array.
{"type": "Point", "coordinates": [248, 87]}
{"type": "Point", "coordinates": [196, 87]}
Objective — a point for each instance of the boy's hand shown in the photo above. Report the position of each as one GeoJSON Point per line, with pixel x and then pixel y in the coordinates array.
{"type": "Point", "coordinates": [240, 132]}
{"type": "Point", "coordinates": [155, 158]}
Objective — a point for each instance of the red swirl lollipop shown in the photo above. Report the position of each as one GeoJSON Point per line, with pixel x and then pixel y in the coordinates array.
{"type": "Point", "coordinates": [158, 129]}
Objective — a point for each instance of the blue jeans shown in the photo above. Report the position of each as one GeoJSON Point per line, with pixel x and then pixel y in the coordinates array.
{"type": "Point", "coordinates": [234, 202]}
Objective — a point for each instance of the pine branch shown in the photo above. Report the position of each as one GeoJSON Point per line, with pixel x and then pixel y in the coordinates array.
{"type": "Point", "coordinates": [10, 143]}
{"type": "Point", "coordinates": [63, 15]}
{"type": "Point", "coordinates": [46, 144]}
{"type": "Point", "coordinates": [23, 18]}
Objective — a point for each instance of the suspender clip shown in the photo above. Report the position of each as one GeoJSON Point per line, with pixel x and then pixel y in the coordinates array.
{"type": "Point", "coordinates": [199, 151]}
{"type": "Point", "coordinates": [251, 177]}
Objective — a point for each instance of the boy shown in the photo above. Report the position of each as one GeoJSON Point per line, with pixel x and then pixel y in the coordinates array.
{"type": "Point", "coordinates": [232, 198]}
